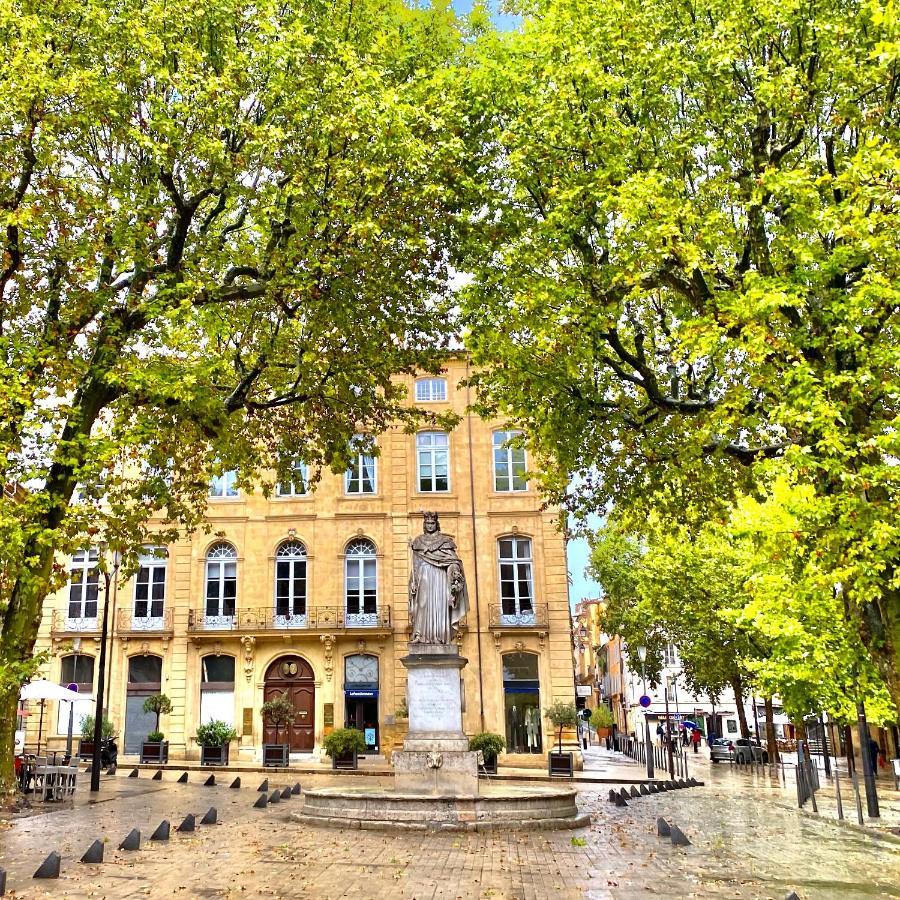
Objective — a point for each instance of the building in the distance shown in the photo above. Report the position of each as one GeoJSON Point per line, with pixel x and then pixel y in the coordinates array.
{"type": "Point", "coordinates": [304, 593]}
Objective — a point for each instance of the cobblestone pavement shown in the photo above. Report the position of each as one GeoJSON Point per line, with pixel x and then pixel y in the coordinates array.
{"type": "Point", "coordinates": [743, 846]}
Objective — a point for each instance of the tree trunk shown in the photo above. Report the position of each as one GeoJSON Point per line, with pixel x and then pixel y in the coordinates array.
{"type": "Point", "coordinates": [771, 740]}
{"type": "Point", "coordinates": [738, 688]}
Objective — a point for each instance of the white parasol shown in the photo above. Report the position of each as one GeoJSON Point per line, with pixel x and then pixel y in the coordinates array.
{"type": "Point", "coordinates": [45, 690]}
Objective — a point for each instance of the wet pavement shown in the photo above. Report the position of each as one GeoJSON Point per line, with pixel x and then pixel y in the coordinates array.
{"type": "Point", "coordinates": [743, 845]}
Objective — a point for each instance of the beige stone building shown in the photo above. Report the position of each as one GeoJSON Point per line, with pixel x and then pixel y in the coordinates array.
{"type": "Point", "coordinates": [306, 593]}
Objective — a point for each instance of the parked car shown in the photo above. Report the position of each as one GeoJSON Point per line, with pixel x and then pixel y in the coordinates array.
{"type": "Point", "coordinates": [721, 750]}
{"type": "Point", "coordinates": [747, 750]}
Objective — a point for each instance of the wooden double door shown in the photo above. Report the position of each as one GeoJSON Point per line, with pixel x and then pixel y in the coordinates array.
{"type": "Point", "coordinates": [292, 676]}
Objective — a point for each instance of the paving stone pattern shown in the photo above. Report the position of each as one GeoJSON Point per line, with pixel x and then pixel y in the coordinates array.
{"type": "Point", "coordinates": [742, 846]}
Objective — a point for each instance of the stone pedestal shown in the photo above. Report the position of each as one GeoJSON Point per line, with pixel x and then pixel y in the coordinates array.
{"type": "Point", "coordinates": [435, 758]}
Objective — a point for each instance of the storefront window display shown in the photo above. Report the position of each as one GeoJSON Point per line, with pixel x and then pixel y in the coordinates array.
{"type": "Point", "coordinates": [522, 703]}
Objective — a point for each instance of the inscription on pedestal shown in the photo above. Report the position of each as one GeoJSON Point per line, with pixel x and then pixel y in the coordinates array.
{"type": "Point", "coordinates": [434, 700]}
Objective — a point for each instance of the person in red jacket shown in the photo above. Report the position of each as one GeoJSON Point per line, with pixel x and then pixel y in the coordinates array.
{"type": "Point", "coordinates": [695, 738]}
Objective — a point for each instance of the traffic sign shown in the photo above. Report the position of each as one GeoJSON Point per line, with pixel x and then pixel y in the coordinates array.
{"type": "Point", "coordinates": [645, 701]}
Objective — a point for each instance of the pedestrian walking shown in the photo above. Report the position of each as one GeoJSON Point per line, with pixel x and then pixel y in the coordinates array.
{"type": "Point", "coordinates": [695, 739]}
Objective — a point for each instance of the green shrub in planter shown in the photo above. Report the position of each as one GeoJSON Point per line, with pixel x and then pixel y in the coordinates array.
{"type": "Point", "coordinates": [344, 741]}
{"type": "Point", "coordinates": [561, 715]}
{"type": "Point", "coordinates": [155, 737]}
{"type": "Point", "coordinates": [107, 729]}
{"type": "Point", "coordinates": [158, 703]}
{"type": "Point", "coordinates": [215, 734]}
{"type": "Point", "coordinates": [601, 717]}
{"type": "Point", "coordinates": [491, 745]}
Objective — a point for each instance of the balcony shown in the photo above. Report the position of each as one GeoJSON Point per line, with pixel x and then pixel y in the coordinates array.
{"type": "Point", "coordinates": [502, 618]}
{"type": "Point", "coordinates": [266, 620]}
{"type": "Point", "coordinates": [61, 624]}
{"type": "Point", "coordinates": [128, 623]}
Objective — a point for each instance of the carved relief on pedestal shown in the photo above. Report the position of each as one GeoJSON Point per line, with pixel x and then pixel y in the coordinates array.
{"type": "Point", "coordinates": [248, 643]}
{"type": "Point", "coordinates": [328, 641]}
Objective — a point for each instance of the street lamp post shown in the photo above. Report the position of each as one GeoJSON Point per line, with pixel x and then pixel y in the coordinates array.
{"type": "Point", "coordinates": [669, 732]}
{"type": "Point", "coordinates": [642, 656]}
{"type": "Point", "coordinates": [108, 578]}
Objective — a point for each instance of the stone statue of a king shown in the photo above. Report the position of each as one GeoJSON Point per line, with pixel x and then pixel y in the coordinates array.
{"type": "Point", "coordinates": [438, 597]}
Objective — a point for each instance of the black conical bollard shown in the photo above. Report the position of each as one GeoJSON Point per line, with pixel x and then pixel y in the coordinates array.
{"type": "Point", "coordinates": [612, 795]}
{"type": "Point", "coordinates": [188, 825]}
{"type": "Point", "coordinates": [132, 840]}
{"type": "Point", "coordinates": [162, 831]}
{"type": "Point", "coordinates": [183, 778]}
{"type": "Point", "coordinates": [662, 828]}
{"type": "Point", "coordinates": [620, 800]}
{"type": "Point", "coordinates": [94, 853]}
{"type": "Point", "coordinates": [644, 790]}
{"type": "Point", "coordinates": [679, 838]}
{"type": "Point", "coordinates": [275, 797]}
{"type": "Point", "coordinates": [654, 788]}
{"type": "Point", "coordinates": [793, 895]}
{"type": "Point", "coordinates": [49, 868]}
{"type": "Point", "coordinates": [111, 770]}
{"type": "Point", "coordinates": [286, 794]}
{"type": "Point", "coordinates": [624, 794]}
{"type": "Point", "coordinates": [210, 817]}
{"type": "Point", "coordinates": [635, 792]}
{"type": "Point", "coordinates": [2, 882]}
{"type": "Point", "coordinates": [236, 783]}
{"type": "Point", "coordinates": [262, 801]}
{"type": "Point", "coordinates": [295, 790]}
{"type": "Point", "coordinates": [264, 786]}
{"type": "Point", "coordinates": [133, 773]}
{"type": "Point", "coordinates": [157, 776]}
{"type": "Point", "coordinates": [210, 782]}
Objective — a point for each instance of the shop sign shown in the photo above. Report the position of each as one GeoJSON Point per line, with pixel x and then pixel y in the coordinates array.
{"type": "Point", "coordinates": [361, 693]}
{"type": "Point", "coordinates": [582, 690]}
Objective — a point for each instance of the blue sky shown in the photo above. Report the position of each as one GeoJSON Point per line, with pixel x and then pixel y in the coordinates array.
{"type": "Point", "coordinates": [463, 7]}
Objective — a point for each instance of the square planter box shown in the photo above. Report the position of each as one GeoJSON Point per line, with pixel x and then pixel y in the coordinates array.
{"type": "Point", "coordinates": [85, 749]}
{"type": "Point", "coordinates": [344, 761]}
{"type": "Point", "coordinates": [155, 752]}
{"type": "Point", "coordinates": [276, 755]}
{"type": "Point", "coordinates": [562, 764]}
{"type": "Point", "coordinates": [214, 756]}
{"type": "Point", "coordinates": [489, 767]}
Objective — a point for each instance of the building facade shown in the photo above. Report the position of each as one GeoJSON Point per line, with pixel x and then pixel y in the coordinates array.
{"type": "Point", "coordinates": [304, 593]}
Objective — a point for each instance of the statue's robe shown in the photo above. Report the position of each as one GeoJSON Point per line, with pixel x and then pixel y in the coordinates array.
{"type": "Point", "coordinates": [434, 609]}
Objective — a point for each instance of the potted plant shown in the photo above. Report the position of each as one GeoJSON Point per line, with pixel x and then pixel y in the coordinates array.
{"type": "Point", "coordinates": [213, 738]}
{"type": "Point", "coordinates": [280, 712]}
{"type": "Point", "coordinates": [491, 746]}
{"type": "Point", "coordinates": [602, 721]}
{"type": "Point", "coordinates": [344, 745]}
{"type": "Point", "coordinates": [155, 749]}
{"type": "Point", "coordinates": [86, 741]}
{"type": "Point", "coordinates": [561, 714]}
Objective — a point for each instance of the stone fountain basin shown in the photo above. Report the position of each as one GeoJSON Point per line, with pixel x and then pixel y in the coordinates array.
{"type": "Point", "coordinates": [495, 806]}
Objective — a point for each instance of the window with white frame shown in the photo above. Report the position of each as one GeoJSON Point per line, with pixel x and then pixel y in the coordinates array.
{"type": "Point", "coordinates": [431, 390]}
{"type": "Point", "coordinates": [361, 582]}
{"type": "Point", "coordinates": [360, 477]}
{"type": "Point", "coordinates": [670, 655]}
{"type": "Point", "coordinates": [290, 583]}
{"type": "Point", "coordinates": [224, 485]}
{"type": "Point", "coordinates": [516, 582]}
{"type": "Point", "coordinates": [221, 584]}
{"type": "Point", "coordinates": [76, 669]}
{"type": "Point", "coordinates": [150, 588]}
{"type": "Point", "coordinates": [296, 484]}
{"type": "Point", "coordinates": [509, 463]}
{"type": "Point", "coordinates": [84, 586]}
{"type": "Point", "coordinates": [433, 460]}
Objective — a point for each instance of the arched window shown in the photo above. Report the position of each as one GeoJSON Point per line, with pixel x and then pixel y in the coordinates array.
{"type": "Point", "coordinates": [522, 702]}
{"type": "Point", "coordinates": [516, 583]}
{"type": "Point", "coordinates": [217, 689]}
{"type": "Point", "coordinates": [221, 585]}
{"type": "Point", "coordinates": [84, 585]}
{"type": "Point", "coordinates": [290, 585]}
{"type": "Point", "coordinates": [433, 461]}
{"type": "Point", "coordinates": [150, 589]}
{"type": "Point", "coordinates": [361, 583]}
{"type": "Point", "coordinates": [509, 463]}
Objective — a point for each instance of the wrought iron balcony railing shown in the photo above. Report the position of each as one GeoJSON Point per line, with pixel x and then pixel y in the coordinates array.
{"type": "Point", "coordinates": [129, 623]}
{"type": "Point", "coordinates": [62, 623]}
{"type": "Point", "coordinates": [505, 616]}
{"type": "Point", "coordinates": [315, 618]}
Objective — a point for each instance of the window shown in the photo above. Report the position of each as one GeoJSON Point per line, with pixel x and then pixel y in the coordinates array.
{"type": "Point", "coordinates": [509, 463]}
{"type": "Point", "coordinates": [432, 457]}
{"type": "Point", "coordinates": [150, 588]}
{"type": "Point", "coordinates": [360, 583]}
{"type": "Point", "coordinates": [224, 485]}
{"type": "Point", "coordinates": [221, 584]}
{"type": "Point", "coordinates": [522, 703]}
{"type": "Point", "coordinates": [296, 486]}
{"type": "Point", "coordinates": [431, 390]}
{"type": "Point", "coordinates": [217, 689]}
{"type": "Point", "coordinates": [516, 587]}
{"type": "Point", "coordinates": [360, 477]}
{"type": "Point", "coordinates": [670, 655]}
{"type": "Point", "coordinates": [144, 679]}
{"type": "Point", "coordinates": [84, 585]}
{"type": "Point", "coordinates": [79, 670]}
{"type": "Point", "coordinates": [290, 584]}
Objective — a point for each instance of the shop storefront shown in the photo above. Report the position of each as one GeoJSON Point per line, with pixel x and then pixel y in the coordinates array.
{"type": "Point", "coordinates": [361, 697]}
{"type": "Point", "coordinates": [522, 703]}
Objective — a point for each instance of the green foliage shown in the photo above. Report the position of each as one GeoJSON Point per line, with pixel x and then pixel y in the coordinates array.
{"type": "Point", "coordinates": [107, 729]}
{"type": "Point", "coordinates": [215, 734]}
{"type": "Point", "coordinates": [682, 232]}
{"type": "Point", "coordinates": [489, 743]}
{"type": "Point", "coordinates": [343, 741]}
{"type": "Point", "coordinates": [601, 717]}
{"type": "Point", "coordinates": [279, 711]}
{"type": "Point", "coordinates": [561, 714]}
{"type": "Point", "coordinates": [155, 737]}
